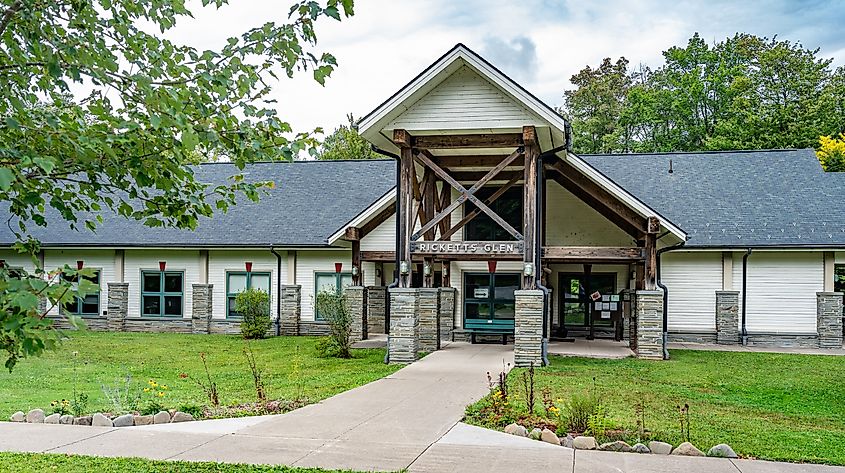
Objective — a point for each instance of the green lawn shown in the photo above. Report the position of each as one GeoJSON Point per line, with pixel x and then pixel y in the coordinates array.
{"type": "Point", "coordinates": [37, 463]}
{"type": "Point", "coordinates": [769, 406]}
{"type": "Point", "coordinates": [93, 359]}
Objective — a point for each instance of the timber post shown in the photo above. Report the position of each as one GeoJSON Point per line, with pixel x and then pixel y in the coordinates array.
{"type": "Point", "coordinates": [405, 207]}
{"type": "Point", "coordinates": [529, 214]}
{"type": "Point", "coordinates": [650, 275]}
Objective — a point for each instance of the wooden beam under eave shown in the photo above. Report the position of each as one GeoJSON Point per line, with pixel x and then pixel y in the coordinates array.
{"type": "Point", "coordinates": [593, 253]}
{"type": "Point", "coordinates": [487, 140]}
{"type": "Point", "coordinates": [380, 218]}
{"type": "Point", "coordinates": [352, 234]}
{"type": "Point", "coordinates": [480, 161]}
{"type": "Point", "coordinates": [402, 138]}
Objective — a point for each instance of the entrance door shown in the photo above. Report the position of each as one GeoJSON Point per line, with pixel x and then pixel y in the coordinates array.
{"type": "Point", "coordinates": [578, 311]}
{"type": "Point", "coordinates": [489, 299]}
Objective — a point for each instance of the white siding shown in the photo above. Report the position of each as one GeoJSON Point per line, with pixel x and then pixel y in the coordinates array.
{"type": "Point", "coordinates": [782, 290]}
{"type": "Point", "coordinates": [465, 100]}
{"type": "Point", "coordinates": [382, 237]}
{"type": "Point", "coordinates": [102, 260]}
{"type": "Point", "coordinates": [839, 257]}
{"type": "Point", "coordinates": [187, 261]}
{"type": "Point", "coordinates": [692, 279]}
{"type": "Point", "coordinates": [310, 262]}
{"type": "Point", "coordinates": [14, 259]}
{"type": "Point", "coordinates": [221, 261]}
{"type": "Point", "coordinates": [571, 222]}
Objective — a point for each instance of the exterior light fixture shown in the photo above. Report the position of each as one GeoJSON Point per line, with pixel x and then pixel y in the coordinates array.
{"type": "Point", "coordinates": [162, 265]}
{"type": "Point", "coordinates": [404, 267]}
{"type": "Point", "coordinates": [491, 266]}
{"type": "Point", "coordinates": [79, 264]}
{"type": "Point", "coordinates": [528, 269]}
{"type": "Point", "coordinates": [355, 271]}
{"type": "Point", "coordinates": [378, 273]}
{"type": "Point", "coordinates": [427, 269]}
{"type": "Point", "coordinates": [338, 267]}
{"type": "Point", "coordinates": [248, 265]}
{"type": "Point", "coordinates": [445, 268]}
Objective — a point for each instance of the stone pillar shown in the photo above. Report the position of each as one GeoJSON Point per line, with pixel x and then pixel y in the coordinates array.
{"type": "Point", "coordinates": [376, 307]}
{"type": "Point", "coordinates": [118, 305]}
{"type": "Point", "coordinates": [403, 343]}
{"type": "Point", "coordinates": [727, 317]}
{"type": "Point", "coordinates": [201, 308]}
{"type": "Point", "coordinates": [649, 324]}
{"type": "Point", "coordinates": [528, 320]}
{"type": "Point", "coordinates": [290, 300]}
{"type": "Point", "coordinates": [356, 305]}
{"type": "Point", "coordinates": [629, 317]}
{"type": "Point", "coordinates": [829, 319]}
{"type": "Point", "coordinates": [429, 319]}
{"type": "Point", "coordinates": [447, 312]}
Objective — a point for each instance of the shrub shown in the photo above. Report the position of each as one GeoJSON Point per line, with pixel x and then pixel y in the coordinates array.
{"type": "Point", "coordinates": [193, 409]}
{"type": "Point", "coordinates": [574, 413]}
{"type": "Point", "coordinates": [254, 307]}
{"type": "Point", "coordinates": [332, 307]}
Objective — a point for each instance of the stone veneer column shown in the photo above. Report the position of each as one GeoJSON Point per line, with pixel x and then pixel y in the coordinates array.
{"type": "Point", "coordinates": [429, 319]}
{"type": "Point", "coordinates": [447, 312]}
{"type": "Point", "coordinates": [727, 317]}
{"type": "Point", "coordinates": [291, 298]}
{"type": "Point", "coordinates": [528, 328]}
{"type": "Point", "coordinates": [376, 306]}
{"type": "Point", "coordinates": [118, 305]}
{"type": "Point", "coordinates": [201, 307]}
{"type": "Point", "coordinates": [403, 343]}
{"type": "Point", "coordinates": [356, 305]}
{"type": "Point", "coordinates": [829, 319]}
{"type": "Point", "coordinates": [649, 324]}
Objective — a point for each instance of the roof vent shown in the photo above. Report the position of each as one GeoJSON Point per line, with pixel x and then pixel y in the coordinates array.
{"type": "Point", "coordinates": [670, 167]}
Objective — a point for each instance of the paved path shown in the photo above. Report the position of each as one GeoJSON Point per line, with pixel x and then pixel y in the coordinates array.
{"type": "Point", "coordinates": [407, 420]}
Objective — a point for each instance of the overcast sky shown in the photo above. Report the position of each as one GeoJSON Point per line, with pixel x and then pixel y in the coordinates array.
{"type": "Point", "coordinates": [539, 43]}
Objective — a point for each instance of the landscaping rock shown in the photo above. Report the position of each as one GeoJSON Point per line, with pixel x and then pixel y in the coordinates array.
{"type": "Point", "coordinates": [516, 429]}
{"type": "Point", "coordinates": [35, 416]}
{"type": "Point", "coordinates": [722, 450]}
{"type": "Point", "coordinates": [640, 448]}
{"type": "Point", "coordinates": [660, 448]}
{"type": "Point", "coordinates": [567, 441]}
{"type": "Point", "coordinates": [549, 437]}
{"type": "Point", "coordinates": [535, 434]}
{"type": "Point", "coordinates": [617, 446]}
{"type": "Point", "coordinates": [18, 417]}
{"type": "Point", "coordinates": [99, 420]}
{"type": "Point", "coordinates": [584, 443]}
{"type": "Point", "coordinates": [182, 417]}
{"type": "Point", "coordinates": [687, 449]}
{"type": "Point", "coordinates": [84, 420]}
{"type": "Point", "coordinates": [142, 420]}
{"type": "Point", "coordinates": [66, 419]}
{"type": "Point", "coordinates": [52, 419]}
{"type": "Point", "coordinates": [162, 417]}
{"type": "Point", "coordinates": [126, 420]}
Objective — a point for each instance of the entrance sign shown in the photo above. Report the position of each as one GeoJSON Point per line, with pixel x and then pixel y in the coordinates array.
{"type": "Point", "coordinates": [466, 247]}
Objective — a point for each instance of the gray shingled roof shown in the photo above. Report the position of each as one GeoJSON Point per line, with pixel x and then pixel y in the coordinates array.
{"type": "Point", "coordinates": [737, 198]}
{"type": "Point", "coordinates": [311, 201]}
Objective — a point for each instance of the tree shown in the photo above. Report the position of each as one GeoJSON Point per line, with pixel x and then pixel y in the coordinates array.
{"type": "Point", "coordinates": [97, 114]}
{"type": "Point", "coordinates": [831, 153]}
{"type": "Point", "coordinates": [345, 143]}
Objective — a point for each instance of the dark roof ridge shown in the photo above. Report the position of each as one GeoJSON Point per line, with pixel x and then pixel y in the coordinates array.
{"type": "Point", "coordinates": [295, 161]}
{"type": "Point", "coordinates": [728, 151]}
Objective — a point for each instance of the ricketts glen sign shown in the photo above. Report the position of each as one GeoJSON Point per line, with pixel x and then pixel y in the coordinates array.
{"type": "Point", "coordinates": [466, 247]}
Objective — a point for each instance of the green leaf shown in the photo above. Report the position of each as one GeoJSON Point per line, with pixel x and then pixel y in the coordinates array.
{"type": "Point", "coordinates": [12, 123]}
{"type": "Point", "coordinates": [6, 179]}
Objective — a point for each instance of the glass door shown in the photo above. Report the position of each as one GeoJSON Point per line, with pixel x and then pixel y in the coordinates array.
{"type": "Point", "coordinates": [578, 310]}
{"type": "Point", "coordinates": [490, 296]}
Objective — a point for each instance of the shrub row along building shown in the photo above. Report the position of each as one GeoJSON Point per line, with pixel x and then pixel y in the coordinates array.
{"type": "Point", "coordinates": [496, 228]}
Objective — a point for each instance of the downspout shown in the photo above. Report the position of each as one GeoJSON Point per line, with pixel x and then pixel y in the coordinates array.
{"type": "Point", "coordinates": [395, 282]}
{"type": "Point", "coordinates": [278, 291]}
{"type": "Point", "coordinates": [665, 294]}
{"type": "Point", "coordinates": [744, 332]}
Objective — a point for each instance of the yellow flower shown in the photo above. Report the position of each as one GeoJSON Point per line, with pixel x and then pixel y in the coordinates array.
{"type": "Point", "coordinates": [146, 390]}
{"type": "Point", "coordinates": [161, 394]}
{"type": "Point", "coordinates": [164, 386]}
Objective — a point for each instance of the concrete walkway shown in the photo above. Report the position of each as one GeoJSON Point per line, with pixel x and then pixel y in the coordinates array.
{"type": "Point", "coordinates": [409, 420]}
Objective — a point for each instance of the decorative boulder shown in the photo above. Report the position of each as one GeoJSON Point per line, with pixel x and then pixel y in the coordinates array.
{"type": "Point", "coordinates": [52, 419]}
{"type": "Point", "coordinates": [126, 420]}
{"type": "Point", "coordinates": [567, 441]}
{"type": "Point", "coordinates": [18, 417]}
{"type": "Point", "coordinates": [162, 417]}
{"type": "Point", "coordinates": [84, 420]}
{"type": "Point", "coordinates": [142, 420]}
{"type": "Point", "coordinates": [640, 448]}
{"type": "Point", "coordinates": [182, 417]}
{"type": "Point", "coordinates": [660, 448]}
{"type": "Point", "coordinates": [687, 449]}
{"type": "Point", "coordinates": [516, 429]}
{"type": "Point", "coordinates": [535, 434]}
{"type": "Point", "coordinates": [722, 450]}
{"type": "Point", "coordinates": [549, 437]}
{"type": "Point", "coordinates": [584, 443]}
{"type": "Point", "coordinates": [99, 420]}
{"type": "Point", "coordinates": [66, 419]}
{"type": "Point", "coordinates": [617, 446]}
{"type": "Point", "coordinates": [35, 416]}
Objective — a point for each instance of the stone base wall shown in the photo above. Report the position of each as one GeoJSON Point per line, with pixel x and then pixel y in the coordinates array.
{"type": "Point", "coordinates": [150, 324]}
{"type": "Point", "coordinates": [528, 327]}
{"type": "Point", "coordinates": [376, 309]}
{"type": "Point", "coordinates": [356, 305]}
{"type": "Point", "coordinates": [291, 308]}
{"type": "Point", "coordinates": [727, 317]}
{"type": "Point", "coordinates": [783, 340]}
{"type": "Point", "coordinates": [403, 342]}
{"type": "Point", "coordinates": [649, 324]}
{"type": "Point", "coordinates": [429, 319]}
{"type": "Point", "coordinates": [118, 305]}
{"type": "Point", "coordinates": [629, 308]}
{"type": "Point", "coordinates": [693, 337]}
{"type": "Point", "coordinates": [95, 324]}
{"type": "Point", "coordinates": [459, 335]}
{"type": "Point", "coordinates": [447, 312]}
{"type": "Point", "coordinates": [313, 328]}
{"type": "Point", "coordinates": [201, 308]}
{"type": "Point", "coordinates": [829, 319]}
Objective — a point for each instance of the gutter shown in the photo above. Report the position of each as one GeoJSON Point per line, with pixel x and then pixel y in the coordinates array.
{"type": "Point", "coordinates": [398, 238]}
{"type": "Point", "coordinates": [538, 253]}
{"type": "Point", "coordinates": [744, 332]}
{"type": "Point", "coordinates": [278, 291]}
{"type": "Point", "coordinates": [665, 293]}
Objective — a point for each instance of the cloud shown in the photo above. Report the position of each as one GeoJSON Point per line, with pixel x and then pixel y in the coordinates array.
{"type": "Point", "coordinates": [517, 57]}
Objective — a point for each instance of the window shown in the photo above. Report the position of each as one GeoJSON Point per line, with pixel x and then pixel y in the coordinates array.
{"type": "Point", "coordinates": [237, 282]}
{"type": "Point", "coordinates": [88, 305]}
{"type": "Point", "coordinates": [162, 293]}
{"type": "Point", "coordinates": [839, 278]}
{"type": "Point", "coordinates": [330, 282]}
{"type": "Point", "coordinates": [490, 296]}
{"type": "Point", "coordinates": [508, 206]}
